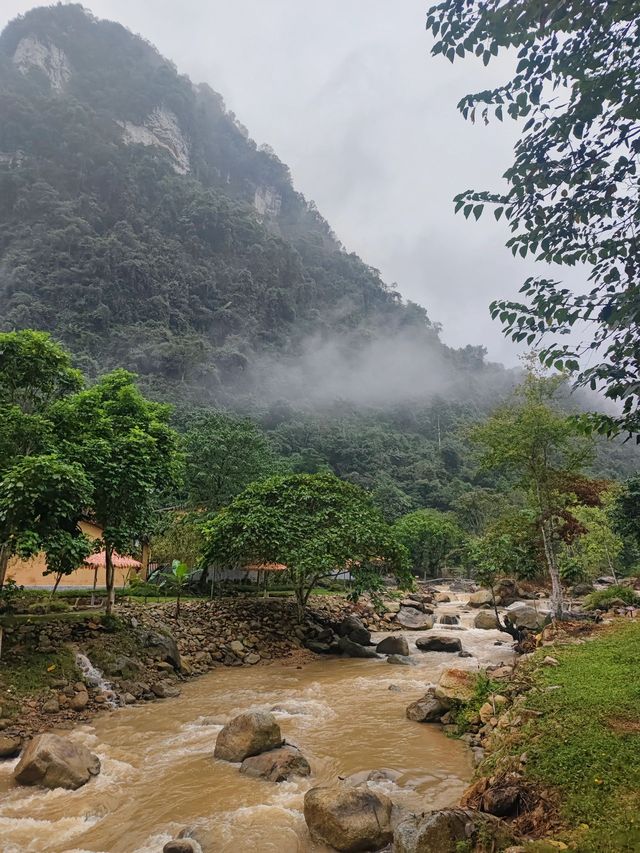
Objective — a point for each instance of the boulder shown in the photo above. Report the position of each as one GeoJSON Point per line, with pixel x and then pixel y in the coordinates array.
{"type": "Point", "coordinates": [355, 650]}
{"type": "Point", "coordinates": [348, 819]}
{"type": "Point", "coordinates": [439, 644]}
{"type": "Point", "coordinates": [429, 709]}
{"type": "Point", "coordinates": [163, 647]}
{"type": "Point", "coordinates": [442, 598]}
{"type": "Point", "coordinates": [400, 660]}
{"type": "Point", "coordinates": [56, 762]}
{"type": "Point", "coordinates": [507, 591]}
{"type": "Point", "coordinates": [248, 734]}
{"type": "Point", "coordinates": [456, 685]}
{"type": "Point", "coordinates": [393, 646]}
{"type": "Point", "coordinates": [182, 845]}
{"type": "Point", "coordinates": [486, 619]}
{"type": "Point", "coordinates": [277, 765]}
{"type": "Point", "coordinates": [523, 615]}
{"type": "Point", "coordinates": [446, 831]}
{"type": "Point", "coordinates": [79, 701]}
{"type": "Point", "coordinates": [481, 598]}
{"type": "Point", "coordinates": [10, 746]}
{"type": "Point", "coordinates": [501, 800]}
{"type": "Point", "coordinates": [354, 629]}
{"type": "Point", "coordinates": [414, 619]}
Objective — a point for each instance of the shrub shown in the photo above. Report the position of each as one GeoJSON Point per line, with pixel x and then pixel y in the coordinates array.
{"type": "Point", "coordinates": [602, 598]}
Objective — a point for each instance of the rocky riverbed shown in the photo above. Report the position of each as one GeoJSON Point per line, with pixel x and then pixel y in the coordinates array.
{"type": "Point", "coordinates": [347, 716]}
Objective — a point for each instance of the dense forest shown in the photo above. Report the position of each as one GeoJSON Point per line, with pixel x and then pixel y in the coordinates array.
{"type": "Point", "coordinates": [143, 228]}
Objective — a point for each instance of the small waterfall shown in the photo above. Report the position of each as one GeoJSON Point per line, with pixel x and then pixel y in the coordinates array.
{"type": "Point", "coordinates": [448, 619]}
{"type": "Point", "coordinates": [94, 678]}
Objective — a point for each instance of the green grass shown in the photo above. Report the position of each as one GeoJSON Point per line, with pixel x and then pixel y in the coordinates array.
{"type": "Point", "coordinates": [586, 744]}
{"type": "Point", "coordinates": [30, 674]}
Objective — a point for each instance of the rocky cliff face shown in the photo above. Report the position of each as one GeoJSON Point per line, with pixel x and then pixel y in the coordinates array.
{"type": "Point", "coordinates": [162, 129]}
{"type": "Point", "coordinates": [31, 53]}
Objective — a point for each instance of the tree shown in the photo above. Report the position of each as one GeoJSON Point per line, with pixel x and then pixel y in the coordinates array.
{"type": "Point", "coordinates": [177, 582]}
{"type": "Point", "coordinates": [315, 524]}
{"type": "Point", "coordinates": [34, 373]}
{"type": "Point", "coordinates": [430, 537]}
{"type": "Point", "coordinates": [41, 504]}
{"type": "Point", "coordinates": [129, 453]}
{"type": "Point", "coordinates": [572, 195]}
{"type": "Point", "coordinates": [599, 548]}
{"type": "Point", "coordinates": [223, 454]}
{"type": "Point", "coordinates": [540, 449]}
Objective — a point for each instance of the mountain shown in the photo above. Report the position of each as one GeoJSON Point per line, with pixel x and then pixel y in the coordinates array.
{"type": "Point", "coordinates": [143, 227]}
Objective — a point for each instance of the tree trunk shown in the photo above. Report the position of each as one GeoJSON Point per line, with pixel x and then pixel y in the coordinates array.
{"type": "Point", "coordinates": [95, 584]}
{"type": "Point", "coordinates": [4, 562]}
{"type": "Point", "coordinates": [110, 578]}
{"type": "Point", "coordinates": [55, 586]}
{"type": "Point", "coordinates": [554, 574]}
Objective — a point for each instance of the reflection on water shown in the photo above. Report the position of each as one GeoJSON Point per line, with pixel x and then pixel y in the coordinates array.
{"type": "Point", "coordinates": [159, 775]}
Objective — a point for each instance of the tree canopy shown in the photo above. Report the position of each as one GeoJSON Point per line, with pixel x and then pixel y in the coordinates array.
{"type": "Point", "coordinates": [572, 194]}
{"type": "Point", "coordinates": [129, 453]}
{"type": "Point", "coordinates": [315, 524]}
{"type": "Point", "coordinates": [430, 537]}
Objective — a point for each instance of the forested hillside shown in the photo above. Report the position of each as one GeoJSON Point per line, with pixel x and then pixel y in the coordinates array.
{"type": "Point", "coordinates": [143, 227]}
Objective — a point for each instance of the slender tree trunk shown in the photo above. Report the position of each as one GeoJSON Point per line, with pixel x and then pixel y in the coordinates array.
{"type": "Point", "coordinates": [55, 586]}
{"type": "Point", "coordinates": [300, 603]}
{"type": "Point", "coordinates": [554, 574]}
{"type": "Point", "coordinates": [4, 562]}
{"type": "Point", "coordinates": [95, 584]}
{"type": "Point", "coordinates": [110, 578]}
{"type": "Point", "coordinates": [611, 569]}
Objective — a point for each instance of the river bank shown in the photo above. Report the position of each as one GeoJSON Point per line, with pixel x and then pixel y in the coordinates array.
{"type": "Point", "coordinates": [561, 740]}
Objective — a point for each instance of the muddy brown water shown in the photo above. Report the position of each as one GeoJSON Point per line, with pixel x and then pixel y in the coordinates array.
{"type": "Point", "coordinates": [158, 772]}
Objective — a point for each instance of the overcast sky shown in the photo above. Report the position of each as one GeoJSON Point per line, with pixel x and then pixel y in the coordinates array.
{"type": "Point", "coordinates": [347, 94]}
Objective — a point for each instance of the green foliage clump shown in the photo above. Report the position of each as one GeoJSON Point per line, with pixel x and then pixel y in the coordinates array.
{"type": "Point", "coordinates": [316, 525]}
{"type": "Point", "coordinates": [431, 538]}
{"type": "Point", "coordinates": [602, 598]}
{"type": "Point", "coordinates": [570, 196]}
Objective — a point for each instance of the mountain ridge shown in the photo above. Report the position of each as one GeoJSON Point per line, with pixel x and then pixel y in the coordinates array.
{"type": "Point", "coordinates": [144, 227]}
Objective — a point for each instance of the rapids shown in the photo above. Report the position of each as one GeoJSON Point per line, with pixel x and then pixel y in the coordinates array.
{"type": "Point", "coordinates": [158, 772]}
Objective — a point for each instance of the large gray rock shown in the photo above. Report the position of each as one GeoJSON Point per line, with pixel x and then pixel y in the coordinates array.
{"type": "Point", "coordinates": [414, 619]}
{"type": "Point", "coordinates": [182, 845]}
{"type": "Point", "coordinates": [480, 598]}
{"type": "Point", "coordinates": [348, 819]}
{"type": "Point", "coordinates": [248, 734]}
{"type": "Point", "coordinates": [163, 647]}
{"type": "Point", "coordinates": [400, 660]}
{"type": "Point", "coordinates": [524, 615]}
{"type": "Point", "coordinates": [56, 762]}
{"type": "Point", "coordinates": [393, 646]}
{"type": "Point", "coordinates": [277, 765]}
{"type": "Point", "coordinates": [486, 619]}
{"type": "Point", "coordinates": [429, 709]}
{"type": "Point", "coordinates": [446, 831]}
{"type": "Point", "coordinates": [354, 628]}
{"type": "Point", "coordinates": [355, 650]}
{"type": "Point", "coordinates": [439, 644]}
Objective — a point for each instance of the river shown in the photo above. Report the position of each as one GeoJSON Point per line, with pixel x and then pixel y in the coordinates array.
{"type": "Point", "coordinates": [158, 772]}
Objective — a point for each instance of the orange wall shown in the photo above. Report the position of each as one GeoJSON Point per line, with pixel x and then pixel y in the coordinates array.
{"type": "Point", "coordinates": [30, 572]}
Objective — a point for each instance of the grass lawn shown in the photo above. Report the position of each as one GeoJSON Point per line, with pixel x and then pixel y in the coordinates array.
{"type": "Point", "coordinates": [586, 744]}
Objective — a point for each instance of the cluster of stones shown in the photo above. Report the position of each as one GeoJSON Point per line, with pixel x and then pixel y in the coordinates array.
{"type": "Point", "coordinates": [347, 816]}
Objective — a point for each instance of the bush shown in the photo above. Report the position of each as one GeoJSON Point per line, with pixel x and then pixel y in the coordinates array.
{"type": "Point", "coordinates": [602, 598]}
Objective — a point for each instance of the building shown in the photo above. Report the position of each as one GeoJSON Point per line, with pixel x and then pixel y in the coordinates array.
{"type": "Point", "coordinates": [30, 573]}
